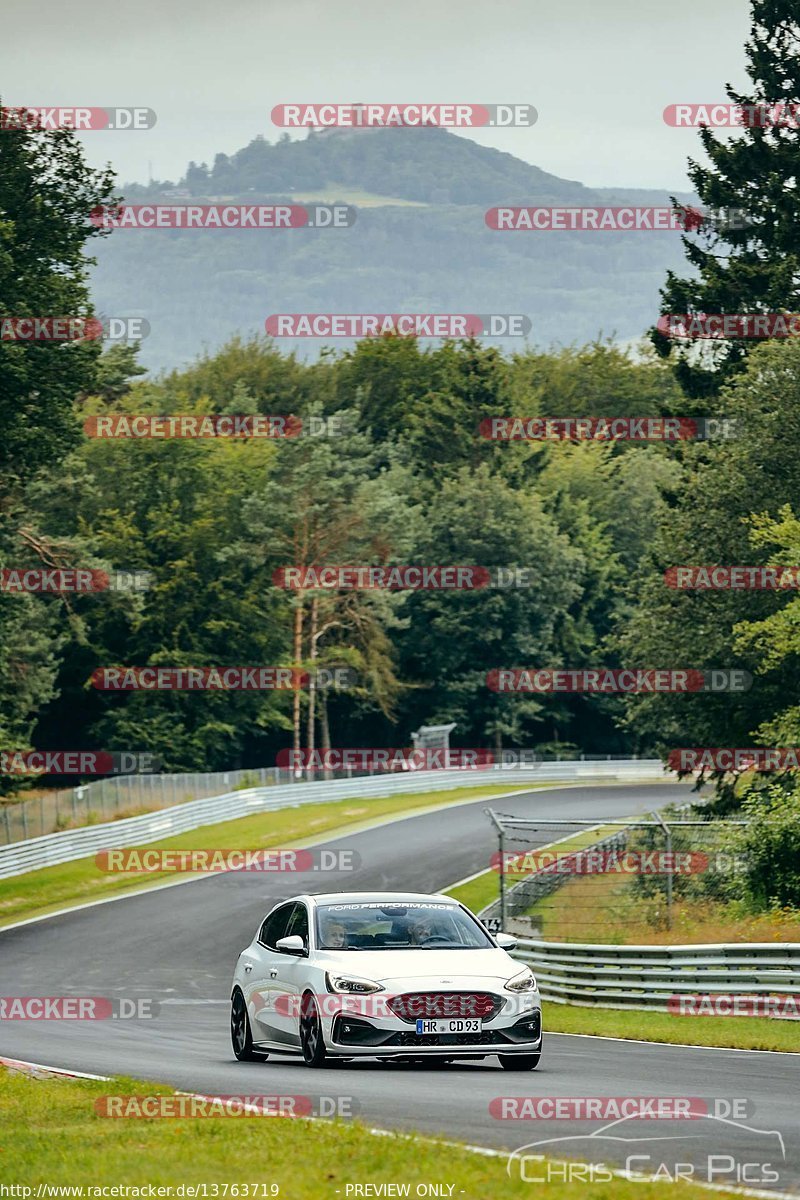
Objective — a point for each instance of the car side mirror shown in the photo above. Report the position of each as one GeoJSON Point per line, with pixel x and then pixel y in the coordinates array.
{"type": "Point", "coordinates": [504, 940]}
{"type": "Point", "coordinates": [291, 945]}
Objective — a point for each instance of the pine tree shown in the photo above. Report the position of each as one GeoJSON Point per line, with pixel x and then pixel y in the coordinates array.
{"type": "Point", "coordinates": [46, 195]}
{"type": "Point", "coordinates": [756, 267]}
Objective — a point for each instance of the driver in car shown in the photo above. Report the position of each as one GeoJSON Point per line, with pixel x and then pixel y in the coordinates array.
{"type": "Point", "coordinates": [335, 935]}
{"type": "Point", "coordinates": [420, 931]}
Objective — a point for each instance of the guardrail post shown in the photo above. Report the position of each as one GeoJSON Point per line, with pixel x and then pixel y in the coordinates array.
{"type": "Point", "coordinates": [502, 880]}
{"type": "Point", "coordinates": [502, 865]}
{"type": "Point", "coordinates": [668, 848]}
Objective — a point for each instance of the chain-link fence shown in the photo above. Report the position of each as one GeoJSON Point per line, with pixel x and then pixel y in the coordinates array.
{"type": "Point", "coordinates": [612, 880]}
{"type": "Point", "coordinates": [110, 799]}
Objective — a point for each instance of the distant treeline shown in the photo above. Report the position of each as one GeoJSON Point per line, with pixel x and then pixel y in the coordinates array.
{"type": "Point", "coordinates": [391, 469]}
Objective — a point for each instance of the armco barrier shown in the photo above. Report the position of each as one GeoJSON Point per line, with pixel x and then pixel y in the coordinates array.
{"type": "Point", "coordinates": [19, 857]}
{"type": "Point", "coordinates": [646, 977]}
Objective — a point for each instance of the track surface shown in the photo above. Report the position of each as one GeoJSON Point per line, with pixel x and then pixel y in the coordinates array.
{"type": "Point", "coordinates": [178, 946]}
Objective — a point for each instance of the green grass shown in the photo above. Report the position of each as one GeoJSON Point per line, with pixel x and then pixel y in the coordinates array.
{"type": "Point", "coordinates": [51, 888]}
{"type": "Point", "coordinates": [479, 892]}
{"type": "Point", "coordinates": [742, 1033]}
{"type": "Point", "coordinates": [613, 910]}
{"type": "Point", "coordinates": [51, 1133]}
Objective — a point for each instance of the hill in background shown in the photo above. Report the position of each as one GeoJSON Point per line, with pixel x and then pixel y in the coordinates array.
{"type": "Point", "coordinates": [419, 244]}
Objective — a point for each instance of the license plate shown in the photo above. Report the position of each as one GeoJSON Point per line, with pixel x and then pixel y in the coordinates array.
{"type": "Point", "coordinates": [449, 1025]}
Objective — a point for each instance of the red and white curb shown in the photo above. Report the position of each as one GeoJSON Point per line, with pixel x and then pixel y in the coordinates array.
{"type": "Point", "coordinates": [39, 1071]}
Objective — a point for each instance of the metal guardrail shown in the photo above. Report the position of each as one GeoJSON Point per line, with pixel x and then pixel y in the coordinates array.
{"type": "Point", "coordinates": [649, 977]}
{"type": "Point", "coordinates": [56, 810]}
{"type": "Point", "coordinates": [35, 853]}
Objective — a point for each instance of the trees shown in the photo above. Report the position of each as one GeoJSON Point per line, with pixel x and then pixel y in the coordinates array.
{"type": "Point", "coordinates": [708, 519]}
{"type": "Point", "coordinates": [213, 519]}
{"type": "Point", "coordinates": [454, 638]}
{"type": "Point", "coordinates": [775, 638]}
{"type": "Point", "coordinates": [755, 268]}
{"type": "Point", "coordinates": [328, 501]}
{"type": "Point", "coordinates": [179, 508]}
{"type": "Point", "coordinates": [46, 195]}
{"type": "Point", "coordinates": [770, 847]}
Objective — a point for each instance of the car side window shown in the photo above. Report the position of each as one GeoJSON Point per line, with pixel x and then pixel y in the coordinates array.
{"type": "Point", "coordinates": [298, 924]}
{"type": "Point", "coordinates": [275, 926]}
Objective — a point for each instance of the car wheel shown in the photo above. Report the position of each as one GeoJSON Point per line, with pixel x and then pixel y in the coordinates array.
{"type": "Point", "coordinates": [241, 1037]}
{"type": "Point", "coordinates": [312, 1041]}
{"type": "Point", "coordinates": [519, 1062]}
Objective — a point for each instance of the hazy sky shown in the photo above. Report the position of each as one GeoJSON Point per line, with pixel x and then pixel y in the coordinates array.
{"type": "Point", "coordinates": [599, 71]}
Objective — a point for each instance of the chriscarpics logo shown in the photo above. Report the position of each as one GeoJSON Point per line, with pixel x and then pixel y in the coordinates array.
{"type": "Point", "coordinates": [721, 1150]}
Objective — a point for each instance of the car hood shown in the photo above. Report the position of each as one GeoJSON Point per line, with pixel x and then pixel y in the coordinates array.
{"type": "Point", "coordinates": [427, 969]}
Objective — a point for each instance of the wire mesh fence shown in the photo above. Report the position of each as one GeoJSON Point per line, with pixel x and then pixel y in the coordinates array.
{"type": "Point", "coordinates": [611, 880]}
{"type": "Point", "coordinates": [110, 799]}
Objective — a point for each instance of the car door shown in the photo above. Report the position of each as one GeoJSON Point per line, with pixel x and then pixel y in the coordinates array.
{"type": "Point", "coordinates": [292, 971]}
{"type": "Point", "coordinates": [261, 981]}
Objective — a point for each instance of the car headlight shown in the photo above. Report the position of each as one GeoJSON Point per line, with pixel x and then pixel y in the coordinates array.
{"type": "Point", "coordinates": [351, 984]}
{"type": "Point", "coordinates": [524, 982]}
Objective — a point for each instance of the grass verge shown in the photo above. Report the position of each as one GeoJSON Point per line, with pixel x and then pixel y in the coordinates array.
{"type": "Point", "coordinates": [45, 891]}
{"type": "Point", "coordinates": [52, 1134]}
{"type": "Point", "coordinates": [608, 909]}
{"type": "Point", "coordinates": [740, 1033]}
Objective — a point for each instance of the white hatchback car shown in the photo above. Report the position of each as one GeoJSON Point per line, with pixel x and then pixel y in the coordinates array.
{"type": "Point", "coordinates": [383, 975]}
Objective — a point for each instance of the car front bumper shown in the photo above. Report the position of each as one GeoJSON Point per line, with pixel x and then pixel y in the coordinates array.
{"type": "Point", "coordinates": [355, 1036]}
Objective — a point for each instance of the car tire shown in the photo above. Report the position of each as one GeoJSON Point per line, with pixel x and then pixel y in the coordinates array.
{"type": "Point", "coordinates": [312, 1040]}
{"type": "Point", "coordinates": [519, 1062]}
{"type": "Point", "coordinates": [241, 1035]}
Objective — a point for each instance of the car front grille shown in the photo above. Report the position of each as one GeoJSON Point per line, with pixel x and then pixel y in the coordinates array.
{"type": "Point", "coordinates": [412, 1005]}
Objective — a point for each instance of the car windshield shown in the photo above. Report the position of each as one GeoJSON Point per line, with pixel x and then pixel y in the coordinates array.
{"type": "Point", "coordinates": [410, 926]}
